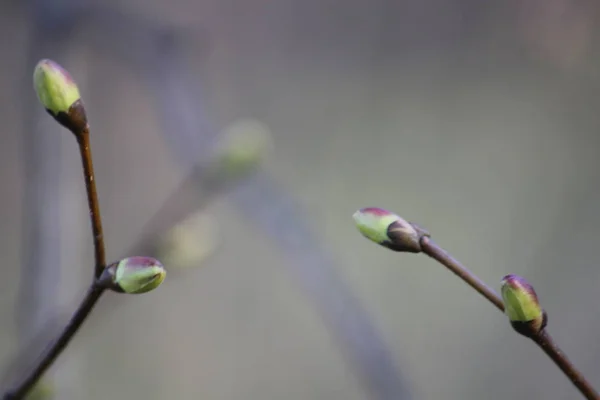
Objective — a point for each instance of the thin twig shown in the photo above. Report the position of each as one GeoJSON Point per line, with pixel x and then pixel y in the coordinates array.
{"type": "Point", "coordinates": [94, 292]}
{"type": "Point", "coordinates": [270, 207]}
{"type": "Point", "coordinates": [334, 299]}
{"type": "Point", "coordinates": [545, 341]}
{"type": "Point", "coordinates": [542, 339]}
{"type": "Point", "coordinates": [83, 139]}
{"type": "Point", "coordinates": [27, 383]}
{"type": "Point", "coordinates": [193, 194]}
{"type": "Point", "coordinates": [437, 253]}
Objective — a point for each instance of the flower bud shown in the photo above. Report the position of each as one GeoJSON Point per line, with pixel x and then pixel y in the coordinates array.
{"type": "Point", "coordinates": [388, 229]}
{"type": "Point", "coordinates": [59, 95]}
{"type": "Point", "coordinates": [522, 306]}
{"type": "Point", "coordinates": [133, 275]}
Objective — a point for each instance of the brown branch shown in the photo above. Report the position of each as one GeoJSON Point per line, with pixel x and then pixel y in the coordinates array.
{"type": "Point", "coordinates": [193, 194]}
{"type": "Point", "coordinates": [542, 338]}
{"type": "Point", "coordinates": [437, 253]}
{"type": "Point", "coordinates": [545, 341]}
{"type": "Point", "coordinates": [83, 139]}
{"type": "Point", "coordinates": [28, 382]}
{"type": "Point", "coordinates": [94, 292]}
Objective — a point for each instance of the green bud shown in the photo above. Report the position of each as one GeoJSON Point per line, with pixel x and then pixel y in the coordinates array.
{"type": "Point", "coordinates": [388, 229]}
{"type": "Point", "coordinates": [54, 86]}
{"type": "Point", "coordinates": [522, 306]}
{"type": "Point", "coordinates": [242, 146]}
{"type": "Point", "coordinates": [133, 275]}
{"type": "Point", "coordinates": [59, 95]}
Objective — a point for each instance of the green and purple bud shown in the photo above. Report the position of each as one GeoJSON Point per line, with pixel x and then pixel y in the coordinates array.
{"type": "Point", "coordinates": [388, 229]}
{"type": "Point", "coordinates": [522, 306]}
{"type": "Point", "coordinates": [59, 95]}
{"type": "Point", "coordinates": [133, 275]}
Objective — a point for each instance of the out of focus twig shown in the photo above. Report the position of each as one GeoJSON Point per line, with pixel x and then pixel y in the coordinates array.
{"type": "Point", "coordinates": [213, 177]}
{"type": "Point", "coordinates": [188, 133]}
{"type": "Point", "coordinates": [270, 207]}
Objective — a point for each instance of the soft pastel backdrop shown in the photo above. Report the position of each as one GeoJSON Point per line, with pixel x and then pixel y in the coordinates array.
{"type": "Point", "coordinates": [477, 121]}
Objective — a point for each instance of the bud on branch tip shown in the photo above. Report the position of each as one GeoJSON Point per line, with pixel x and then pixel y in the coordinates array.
{"type": "Point", "coordinates": [133, 275]}
{"type": "Point", "coordinates": [522, 305]}
{"type": "Point", "coordinates": [59, 95]}
{"type": "Point", "coordinates": [388, 230]}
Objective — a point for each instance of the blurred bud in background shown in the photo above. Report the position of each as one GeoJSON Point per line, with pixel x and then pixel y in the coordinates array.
{"type": "Point", "coordinates": [242, 146]}
{"type": "Point", "coordinates": [189, 243]}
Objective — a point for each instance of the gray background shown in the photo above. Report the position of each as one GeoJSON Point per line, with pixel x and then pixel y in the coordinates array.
{"type": "Point", "coordinates": [478, 122]}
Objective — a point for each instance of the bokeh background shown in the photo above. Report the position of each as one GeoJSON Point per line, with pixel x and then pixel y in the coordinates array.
{"type": "Point", "coordinates": [478, 120]}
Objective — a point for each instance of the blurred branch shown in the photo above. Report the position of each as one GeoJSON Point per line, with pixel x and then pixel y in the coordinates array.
{"type": "Point", "coordinates": [273, 210]}
{"type": "Point", "coordinates": [187, 130]}
{"type": "Point", "coordinates": [213, 176]}
{"type": "Point", "coordinates": [59, 96]}
{"type": "Point", "coordinates": [156, 50]}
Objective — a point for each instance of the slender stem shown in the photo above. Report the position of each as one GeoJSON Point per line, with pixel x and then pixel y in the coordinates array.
{"type": "Point", "coordinates": [83, 139]}
{"type": "Point", "coordinates": [542, 339]}
{"type": "Point", "coordinates": [94, 292]}
{"type": "Point", "coordinates": [52, 353]}
{"type": "Point", "coordinates": [545, 341]}
{"type": "Point", "coordinates": [437, 253]}
{"type": "Point", "coordinates": [192, 195]}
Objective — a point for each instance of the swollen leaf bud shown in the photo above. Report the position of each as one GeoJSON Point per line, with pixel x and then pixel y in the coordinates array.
{"type": "Point", "coordinates": [59, 95]}
{"type": "Point", "coordinates": [388, 229]}
{"type": "Point", "coordinates": [522, 306]}
{"type": "Point", "coordinates": [133, 275]}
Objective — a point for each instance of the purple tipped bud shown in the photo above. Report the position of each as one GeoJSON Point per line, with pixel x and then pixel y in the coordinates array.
{"type": "Point", "coordinates": [59, 95]}
{"type": "Point", "coordinates": [522, 305]}
{"type": "Point", "coordinates": [388, 229]}
{"type": "Point", "coordinates": [133, 275]}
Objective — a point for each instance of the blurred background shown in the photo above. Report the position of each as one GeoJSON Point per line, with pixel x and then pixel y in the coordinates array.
{"type": "Point", "coordinates": [477, 120]}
